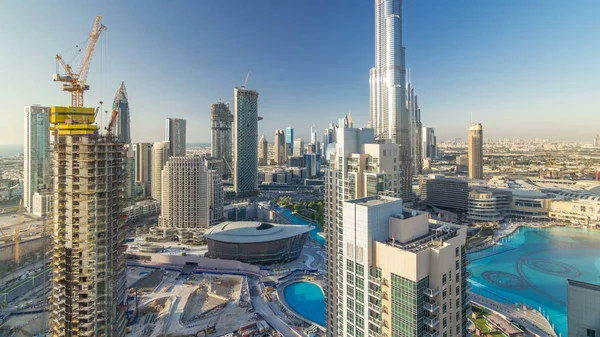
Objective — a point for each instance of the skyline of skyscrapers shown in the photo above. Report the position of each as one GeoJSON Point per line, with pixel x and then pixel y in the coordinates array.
{"type": "Point", "coordinates": [36, 155]}
{"type": "Point", "coordinates": [475, 155]}
{"type": "Point", "coordinates": [245, 140]}
{"type": "Point", "coordinates": [390, 271]}
{"type": "Point", "coordinates": [221, 140]}
{"type": "Point", "coordinates": [175, 134]}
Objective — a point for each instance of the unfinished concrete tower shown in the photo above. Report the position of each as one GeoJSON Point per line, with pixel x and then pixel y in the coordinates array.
{"type": "Point", "coordinates": [88, 264]}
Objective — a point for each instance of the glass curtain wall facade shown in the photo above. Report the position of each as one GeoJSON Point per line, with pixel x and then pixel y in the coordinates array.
{"type": "Point", "coordinates": [389, 115]}
{"type": "Point", "coordinates": [245, 119]}
{"type": "Point", "coordinates": [122, 129]}
{"type": "Point", "coordinates": [175, 134]}
{"type": "Point", "coordinates": [36, 159]}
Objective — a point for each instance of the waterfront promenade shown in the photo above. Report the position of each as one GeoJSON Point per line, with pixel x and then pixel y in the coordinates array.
{"type": "Point", "coordinates": [532, 320]}
{"type": "Point", "coordinates": [507, 229]}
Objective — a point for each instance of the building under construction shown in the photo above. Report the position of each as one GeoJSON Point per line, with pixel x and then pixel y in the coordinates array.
{"type": "Point", "coordinates": [88, 296]}
{"type": "Point", "coordinates": [221, 120]}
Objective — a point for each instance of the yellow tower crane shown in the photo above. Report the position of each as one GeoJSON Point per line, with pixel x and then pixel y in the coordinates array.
{"type": "Point", "coordinates": [75, 80]}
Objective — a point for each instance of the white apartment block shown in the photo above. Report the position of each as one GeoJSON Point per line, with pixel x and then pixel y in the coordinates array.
{"type": "Point", "coordinates": [358, 168]}
{"type": "Point", "coordinates": [398, 274]}
{"type": "Point", "coordinates": [189, 190]}
{"type": "Point", "coordinates": [42, 204]}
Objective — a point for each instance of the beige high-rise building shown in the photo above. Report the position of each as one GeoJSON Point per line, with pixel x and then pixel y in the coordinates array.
{"type": "Point", "coordinates": [190, 194]}
{"type": "Point", "coordinates": [399, 275]}
{"type": "Point", "coordinates": [263, 151]}
{"type": "Point", "coordinates": [298, 146]}
{"type": "Point", "coordinates": [280, 148]}
{"type": "Point", "coordinates": [357, 169]}
{"type": "Point", "coordinates": [175, 134]}
{"type": "Point", "coordinates": [476, 151]}
{"type": "Point", "coordinates": [160, 156]}
{"type": "Point", "coordinates": [143, 166]}
{"type": "Point", "coordinates": [88, 264]}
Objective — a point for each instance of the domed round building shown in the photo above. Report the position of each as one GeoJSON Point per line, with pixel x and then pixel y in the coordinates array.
{"type": "Point", "coordinates": [256, 242]}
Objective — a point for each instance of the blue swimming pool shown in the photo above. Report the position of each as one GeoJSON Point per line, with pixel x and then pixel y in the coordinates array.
{"type": "Point", "coordinates": [296, 220]}
{"type": "Point", "coordinates": [307, 300]}
{"type": "Point", "coordinates": [532, 266]}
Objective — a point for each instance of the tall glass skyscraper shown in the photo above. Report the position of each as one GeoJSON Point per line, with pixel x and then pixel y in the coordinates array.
{"type": "Point", "coordinates": [122, 129]}
{"type": "Point", "coordinates": [476, 151]}
{"type": "Point", "coordinates": [122, 132]}
{"type": "Point", "coordinates": [289, 139]}
{"type": "Point", "coordinates": [389, 113]}
{"type": "Point", "coordinates": [313, 135]}
{"type": "Point", "coordinates": [36, 164]}
{"type": "Point", "coordinates": [175, 135]}
{"type": "Point", "coordinates": [245, 139]}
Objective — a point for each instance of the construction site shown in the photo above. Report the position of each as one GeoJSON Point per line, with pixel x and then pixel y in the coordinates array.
{"type": "Point", "coordinates": [172, 303]}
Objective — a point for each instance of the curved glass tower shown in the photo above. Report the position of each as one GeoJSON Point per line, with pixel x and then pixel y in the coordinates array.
{"type": "Point", "coordinates": [122, 129]}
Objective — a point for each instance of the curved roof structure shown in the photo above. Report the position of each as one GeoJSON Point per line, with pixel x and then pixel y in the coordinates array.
{"type": "Point", "coordinates": [253, 231]}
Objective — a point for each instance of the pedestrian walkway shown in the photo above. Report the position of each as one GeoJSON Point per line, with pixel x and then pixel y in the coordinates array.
{"type": "Point", "coordinates": [532, 320]}
{"type": "Point", "coordinates": [260, 306]}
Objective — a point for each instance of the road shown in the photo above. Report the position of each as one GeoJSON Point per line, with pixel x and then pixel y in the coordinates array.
{"type": "Point", "coordinates": [531, 320]}
{"type": "Point", "coordinates": [22, 287]}
{"type": "Point", "coordinates": [19, 272]}
{"type": "Point", "coordinates": [261, 306]}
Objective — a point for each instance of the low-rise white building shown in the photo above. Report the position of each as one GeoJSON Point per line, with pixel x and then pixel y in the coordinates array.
{"type": "Point", "coordinates": [576, 211]}
{"type": "Point", "coordinates": [142, 208]}
{"type": "Point", "coordinates": [42, 204]}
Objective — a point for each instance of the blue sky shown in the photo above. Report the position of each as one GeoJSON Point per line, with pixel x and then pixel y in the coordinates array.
{"type": "Point", "coordinates": [524, 68]}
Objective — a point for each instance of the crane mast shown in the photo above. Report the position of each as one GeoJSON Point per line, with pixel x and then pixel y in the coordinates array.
{"type": "Point", "coordinates": [75, 81]}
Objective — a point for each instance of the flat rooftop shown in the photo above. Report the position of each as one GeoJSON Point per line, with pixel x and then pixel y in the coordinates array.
{"type": "Point", "coordinates": [254, 231]}
{"type": "Point", "coordinates": [407, 215]}
{"type": "Point", "coordinates": [435, 237]}
{"type": "Point", "coordinates": [585, 285]}
{"type": "Point", "coordinates": [374, 201]}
